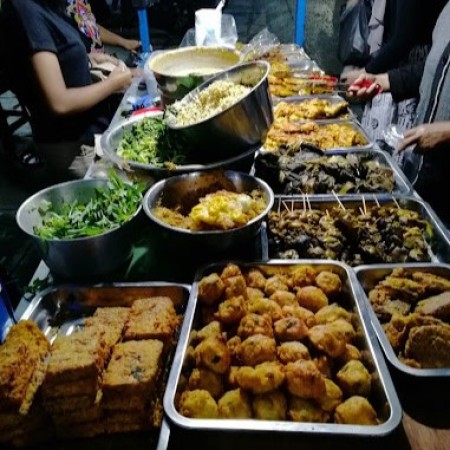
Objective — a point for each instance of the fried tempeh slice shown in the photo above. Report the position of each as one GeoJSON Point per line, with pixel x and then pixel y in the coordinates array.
{"type": "Point", "coordinates": [83, 386]}
{"type": "Point", "coordinates": [62, 405]}
{"type": "Point", "coordinates": [93, 413]}
{"type": "Point", "coordinates": [151, 318]}
{"type": "Point", "coordinates": [437, 306]}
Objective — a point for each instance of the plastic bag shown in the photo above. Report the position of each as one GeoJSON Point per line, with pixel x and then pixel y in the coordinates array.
{"type": "Point", "coordinates": [262, 43]}
{"type": "Point", "coordinates": [354, 32]}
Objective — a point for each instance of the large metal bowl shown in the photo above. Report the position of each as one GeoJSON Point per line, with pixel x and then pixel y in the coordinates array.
{"type": "Point", "coordinates": [243, 125]}
{"type": "Point", "coordinates": [81, 258]}
{"type": "Point", "coordinates": [186, 190]}
{"type": "Point", "coordinates": [179, 71]}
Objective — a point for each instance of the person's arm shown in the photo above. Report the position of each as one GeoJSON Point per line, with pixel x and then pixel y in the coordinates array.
{"type": "Point", "coordinates": [63, 100]}
{"type": "Point", "coordinates": [407, 19]}
{"type": "Point", "coordinates": [405, 81]}
{"type": "Point", "coordinates": [427, 137]}
{"type": "Point", "coordinates": [110, 38]}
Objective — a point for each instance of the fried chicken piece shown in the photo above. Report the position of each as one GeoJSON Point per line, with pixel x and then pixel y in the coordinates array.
{"type": "Point", "coordinates": [355, 379]}
{"type": "Point", "coordinates": [312, 298]}
{"type": "Point", "coordinates": [210, 289]}
{"type": "Point", "coordinates": [235, 286]}
{"type": "Point", "coordinates": [325, 339]}
{"type": "Point", "coordinates": [429, 346]}
{"type": "Point", "coordinates": [343, 330]}
{"type": "Point", "coordinates": [290, 329]}
{"type": "Point", "coordinates": [292, 351]}
{"type": "Point", "coordinates": [351, 352]}
{"type": "Point", "coordinates": [325, 364]}
{"type": "Point", "coordinates": [332, 397]}
{"type": "Point", "coordinates": [263, 306]}
{"type": "Point", "coordinates": [331, 313]}
{"type": "Point", "coordinates": [303, 379]}
{"type": "Point", "coordinates": [235, 404]}
{"type": "Point", "coordinates": [379, 295]}
{"type": "Point", "coordinates": [303, 276]}
{"type": "Point", "coordinates": [432, 283]}
{"type": "Point", "coordinates": [255, 279]}
{"type": "Point", "coordinates": [329, 282]}
{"type": "Point", "coordinates": [252, 324]}
{"type": "Point", "coordinates": [213, 354]}
{"type": "Point", "coordinates": [301, 313]}
{"type": "Point", "coordinates": [256, 350]}
{"type": "Point", "coordinates": [284, 298]}
{"type": "Point", "coordinates": [276, 283]}
{"type": "Point", "coordinates": [230, 270]}
{"type": "Point", "coordinates": [206, 380]}
{"type": "Point", "coordinates": [231, 311]}
{"type": "Point", "coordinates": [389, 308]}
{"type": "Point", "coordinates": [271, 406]}
{"type": "Point", "coordinates": [253, 293]}
{"type": "Point", "coordinates": [213, 328]}
{"type": "Point", "coordinates": [403, 289]}
{"type": "Point", "coordinates": [437, 306]}
{"type": "Point", "coordinates": [198, 404]}
{"type": "Point", "coordinates": [356, 411]}
{"type": "Point", "coordinates": [302, 410]}
{"type": "Point", "coordinates": [263, 378]}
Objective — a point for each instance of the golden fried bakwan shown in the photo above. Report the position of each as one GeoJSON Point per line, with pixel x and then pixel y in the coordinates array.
{"type": "Point", "coordinates": [304, 380]}
{"type": "Point", "coordinates": [343, 330]}
{"type": "Point", "coordinates": [206, 380]}
{"type": "Point", "coordinates": [232, 344]}
{"type": "Point", "coordinates": [331, 313]}
{"type": "Point", "coordinates": [231, 311]}
{"type": "Point", "coordinates": [351, 352]}
{"type": "Point", "coordinates": [252, 324]}
{"type": "Point", "coordinates": [312, 298]}
{"type": "Point", "coordinates": [354, 379]}
{"type": "Point", "coordinates": [263, 378]}
{"type": "Point", "coordinates": [332, 398]}
{"type": "Point", "coordinates": [213, 328]}
{"type": "Point", "coordinates": [198, 404]}
{"type": "Point", "coordinates": [271, 406]}
{"type": "Point", "coordinates": [301, 313]}
{"type": "Point", "coordinates": [210, 289]}
{"type": "Point", "coordinates": [213, 354]}
{"type": "Point", "coordinates": [303, 276]}
{"type": "Point", "coordinates": [284, 298]}
{"type": "Point", "coordinates": [303, 410]}
{"type": "Point", "coordinates": [292, 351]}
{"type": "Point", "coordinates": [290, 329]}
{"type": "Point", "coordinates": [329, 282]}
{"type": "Point", "coordinates": [355, 411]}
{"type": "Point", "coordinates": [230, 270]}
{"type": "Point", "coordinates": [325, 365]}
{"type": "Point", "coordinates": [265, 306]}
{"type": "Point", "coordinates": [235, 404]}
{"type": "Point", "coordinates": [235, 286]}
{"type": "Point", "coordinates": [254, 293]}
{"type": "Point", "coordinates": [325, 339]}
{"type": "Point", "coordinates": [256, 279]}
{"type": "Point", "coordinates": [276, 283]}
{"type": "Point", "coordinates": [256, 350]}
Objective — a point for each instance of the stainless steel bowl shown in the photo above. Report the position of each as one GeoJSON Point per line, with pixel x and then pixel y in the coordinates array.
{"type": "Point", "coordinates": [81, 258]}
{"type": "Point", "coordinates": [243, 125]}
{"type": "Point", "coordinates": [185, 191]}
{"type": "Point", "coordinates": [179, 71]}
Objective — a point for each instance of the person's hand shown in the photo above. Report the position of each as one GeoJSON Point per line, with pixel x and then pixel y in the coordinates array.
{"type": "Point", "coordinates": [131, 44]}
{"type": "Point", "coordinates": [366, 86]}
{"type": "Point", "coordinates": [426, 137]}
{"type": "Point", "coordinates": [120, 77]}
{"type": "Point", "coordinates": [101, 58]}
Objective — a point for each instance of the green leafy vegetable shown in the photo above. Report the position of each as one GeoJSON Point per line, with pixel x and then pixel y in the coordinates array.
{"type": "Point", "coordinates": [107, 210]}
{"type": "Point", "coordinates": [150, 141]}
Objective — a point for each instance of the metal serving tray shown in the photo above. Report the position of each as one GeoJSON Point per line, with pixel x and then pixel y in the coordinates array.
{"type": "Point", "coordinates": [333, 98]}
{"type": "Point", "coordinates": [384, 396]}
{"type": "Point", "coordinates": [369, 277]}
{"type": "Point", "coordinates": [439, 244]}
{"type": "Point", "coordinates": [62, 309]}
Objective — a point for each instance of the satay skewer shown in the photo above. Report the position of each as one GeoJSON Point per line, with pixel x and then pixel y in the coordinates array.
{"type": "Point", "coordinates": [337, 199]}
{"type": "Point", "coordinates": [364, 205]}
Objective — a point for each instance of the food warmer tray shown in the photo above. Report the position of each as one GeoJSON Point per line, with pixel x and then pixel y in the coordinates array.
{"type": "Point", "coordinates": [62, 309]}
{"type": "Point", "coordinates": [368, 277]}
{"type": "Point", "coordinates": [333, 98]}
{"type": "Point", "coordinates": [439, 245]}
{"type": "Point", "coordinates": [385, 397]}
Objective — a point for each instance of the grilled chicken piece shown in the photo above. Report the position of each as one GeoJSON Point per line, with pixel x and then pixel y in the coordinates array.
{"type": "Point", "coordinates": [437, 306]}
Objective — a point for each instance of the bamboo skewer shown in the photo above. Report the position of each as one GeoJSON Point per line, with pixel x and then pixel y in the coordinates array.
{"type": "Point", "coordinates": [337, 199]}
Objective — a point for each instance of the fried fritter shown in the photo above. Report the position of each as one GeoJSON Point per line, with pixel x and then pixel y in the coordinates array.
{"type": "Point", "coordinates": [312, 298]}
{"type": "Point", "coordinates": [213, 354]}
{"type": "Point", "coordinates": [276, 283]}
{"type": "Point", "coordinates": [230, 270]}
{"type": "Point", "coordinates": [292, 351]}
{"type": "Point", "coordinates": [253, 293]}
{"type": "Point", "coordinates": [303, 276]}
{"type": "Point", "coordinates": [290, 329]}
{"type": "Point", "coordinates": [232, 344]}
{"type": "Point", "coordinates": [256, 350]}
{"type": "Point", "coordinates": [210, 289]}
{"type": "Point", "coordinates": [325, 339]}
{"type": "Point", "coordinates": [206, 380]}
{"type": "Point", "coordinates": [343, 330]}
{"type": "Point", "coordinates": [402, 289]}
{"type": "Point", "coordinates": [432, 283]}
{"type": "Point", "coordinates": [271, 406]}
{"type": "Point", "coordinates": [354, 379]}
{"type": "Point", "coordinates": [255, 279]}
{"type": "Point", "coordinates": [325, 365]}
{"type": "Point", "coordinates": [351, 352]}
{"type": "Point", "coordinates": [263, 378]}
{"type": "Point", "coordinates": [284, 298]}
{"type": "Point", "coordinates": [198, 404]}
{"type": "Point", "coordinates": [301, 313]}
{"type": "Point", "coordinates": [235, 286]}
{"type": "Point", "coordinates": [332, 398]}
{"type": "Point", "coordinates": [356, 411]}
{"type": "Point", "coordinates": [389, 308]}
{"type": "Point", "coordinates": [252, 324]}
{"type": "Point", "coordinates": [331, 313]}
{"type": "Point", "coordinates": [213, 328]}
{"type": "Point", "coordinates": [304, 380]}
{"type": "Point", "coordinates": [231, 311]}
{"type": "Point", "coordinates": [302, 410]}
{"type": "Point", "coordinates": [329, 282]}
{"type": "Point", "coordinates": [263, 306]}
{"type": "Point", "coordinates": [235, 404]}
{"type": "Point", "coordinates": [437, 306]}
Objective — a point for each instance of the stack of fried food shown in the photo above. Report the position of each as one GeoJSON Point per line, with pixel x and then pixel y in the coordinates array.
{"type": "Point", "coordinates": [277, 344]}
{"type": "Point", "coordinates": [285, 82]}
{"type": "Point", "coordinates": [414, 308]}
{"type": "Point", "coordinates": [22, 370]}
{"type": "Point", "coordinates": [312, 109]}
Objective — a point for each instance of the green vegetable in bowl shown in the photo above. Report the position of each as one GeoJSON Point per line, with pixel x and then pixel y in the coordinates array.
{"type": "Point", "coordinates": [150, 141]}
{"type": "Point", "coordinates": [108, 209]}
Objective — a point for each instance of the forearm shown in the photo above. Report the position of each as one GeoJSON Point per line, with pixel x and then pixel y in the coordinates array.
{"type": "Point", "coordinates": [405, 81]}
{"type": "Point", "coordinates": [110, 38]}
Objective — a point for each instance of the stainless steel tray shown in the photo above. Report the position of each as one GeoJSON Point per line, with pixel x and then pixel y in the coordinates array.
{"type": "Point", "coordinates": [369, 277]}
{"type": "Point", "coordinates": [439, 244]}
{"type": "Point", "coordinates": [385, 397]}
{"type": "Point", "coordinates": [62, 309]}
{"type": "Point", "coordinates": [333, 98]}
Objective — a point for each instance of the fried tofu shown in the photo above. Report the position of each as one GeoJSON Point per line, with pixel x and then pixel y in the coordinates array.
{"type": "Point", "coordinates": [62, 405]}
{"type": "Point", "coordinates": [83, 386]}
{"type": "Point", "coordinates": [151, 318]}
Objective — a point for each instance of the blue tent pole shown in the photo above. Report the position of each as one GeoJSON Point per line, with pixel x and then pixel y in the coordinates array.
{"type": "Point", "coordinates": [144, 32]}
{"type": "Point", "coordinates": [300, 20]}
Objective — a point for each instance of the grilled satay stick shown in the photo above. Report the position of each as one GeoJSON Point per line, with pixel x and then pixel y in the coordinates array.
{"type": "Point", "coordinates": [337, 199]}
